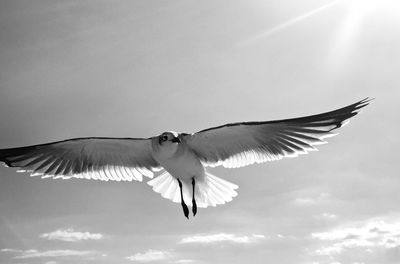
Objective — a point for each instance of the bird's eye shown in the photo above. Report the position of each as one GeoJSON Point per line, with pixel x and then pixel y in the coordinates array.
{"type": "Point", "coordinates": [164, 138]}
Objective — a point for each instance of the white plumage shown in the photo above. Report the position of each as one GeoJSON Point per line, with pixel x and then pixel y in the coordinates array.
{"type": "Point", "coordinates": [181, 157]}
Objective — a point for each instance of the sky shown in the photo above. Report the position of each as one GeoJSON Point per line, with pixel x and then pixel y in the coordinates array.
{"type": "Point", "coordinates": [138, 68]}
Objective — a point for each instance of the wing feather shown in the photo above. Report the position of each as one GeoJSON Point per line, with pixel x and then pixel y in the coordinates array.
{"type": "Point", "coordinates": [118, 159]}
{"type": "Point", "coordinates": [241, 144]}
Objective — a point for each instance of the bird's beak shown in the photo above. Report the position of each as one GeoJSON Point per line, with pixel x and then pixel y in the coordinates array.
{"type": "Point", "coordinates": [176, 140]}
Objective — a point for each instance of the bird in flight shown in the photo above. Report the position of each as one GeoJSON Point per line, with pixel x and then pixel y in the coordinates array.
{"type": "Point", "coordinates": [181, 158]}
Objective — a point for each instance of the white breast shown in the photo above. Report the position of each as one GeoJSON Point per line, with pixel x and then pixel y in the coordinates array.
{"type": "Point", "coordinates": [178, 160]}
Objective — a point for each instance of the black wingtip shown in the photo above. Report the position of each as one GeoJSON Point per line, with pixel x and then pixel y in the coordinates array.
{"type": "Point", "coordinates": [363, 103]}
{"type": "Point", "coordinates": [367, 100]}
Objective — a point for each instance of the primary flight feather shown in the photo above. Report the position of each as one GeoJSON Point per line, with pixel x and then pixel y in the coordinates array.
{"type": "Point", "coordinates": [181, 157]}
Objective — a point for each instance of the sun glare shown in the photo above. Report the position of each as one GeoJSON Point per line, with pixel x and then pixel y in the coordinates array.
{"type": "Point", "coordinates": [286, 24]}
{"type": "Point", "coordinates": [360, 6]}
{"type": "Point", "coordinates": [352, 23]}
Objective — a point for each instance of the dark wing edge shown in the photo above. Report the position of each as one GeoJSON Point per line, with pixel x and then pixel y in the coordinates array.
{"type": "Point", "coordinates": [339, 114]}
{"type": "Point", "coordinates": [99, 158]}
{"type": "Point", "coordinates": [240, 144]}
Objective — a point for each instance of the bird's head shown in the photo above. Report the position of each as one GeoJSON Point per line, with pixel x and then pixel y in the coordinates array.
{"type": "Point", "coordinates": [169, 138]}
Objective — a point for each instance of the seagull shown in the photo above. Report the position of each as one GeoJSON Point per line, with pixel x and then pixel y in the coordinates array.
{"type": "Point", "coordinates": [181, 158]}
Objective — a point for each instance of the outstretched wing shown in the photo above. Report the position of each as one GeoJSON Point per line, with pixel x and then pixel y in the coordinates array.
{"type": "Point", "coordinates": [241, 144]}
{"type": "Point", "coordinates": [105, 159]}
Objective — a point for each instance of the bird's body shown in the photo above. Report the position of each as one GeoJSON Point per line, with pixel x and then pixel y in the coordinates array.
{"type": "Point", "coordinates": [181, 157]}
{"type": "Point", "coordinates": [185, 177]}
{"type": "Point", "coordinates": [178, 160]}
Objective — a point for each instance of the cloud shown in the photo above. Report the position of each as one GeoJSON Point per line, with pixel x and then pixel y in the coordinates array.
{"type": "Point", "coordinates": [373, 233]}
{"type": "Point", "coordinates": [310, 201]}
{"type": "Point", "coordinates": [304, 201]}
{"type": "Point", "coordinates": [221, 237]}
{"type": "Point", "coordinates": [182, 261]}
{"type": "Point", "coordinates": [71, 236]}
{"type": "Point", "coordinates": [150, 255]}
{"type": "Point", "coordinates": [32, 253]}
{"type": "Point", "coordinates": [10, 250]}
{"type": "Point", "coordinates": [327, 216]}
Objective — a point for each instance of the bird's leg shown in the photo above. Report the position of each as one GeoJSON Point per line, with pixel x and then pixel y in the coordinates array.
{"type": "Point", "coordinates": [184, 206]}
{"type": "Point", "coordinates": [194, 205]}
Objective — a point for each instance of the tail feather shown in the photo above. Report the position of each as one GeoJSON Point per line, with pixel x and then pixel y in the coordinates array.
{"type": "Point", "coordinates": [224, 186]}
{"type": "Point", "coordinates": [156, 181]}
{"type": "Point", "coordinates": [166, 186]}
{"type": "Point", "coordinates": [216, 195]}
{"type": "Point", "coordinates": [210, 191]}
{"type": "Point", "coordinates": [161, 183]}
{"type": "Point", "coordinates": [172, 193]}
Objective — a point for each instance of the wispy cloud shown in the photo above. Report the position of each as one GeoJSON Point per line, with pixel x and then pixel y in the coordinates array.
{"type": "Point", "coordinates": [326, 216]}
{"type": "Point", "coordinates": [32, 253]}
{"type": "Point", "coordinates": [12, 250]}
{"type": "Point", "coordinates": [71, 236]}
{"type": "Point", "coordinates": [150, 255]}
{"type": "Point", "coordinates": [304, 201]}
{"type": "Point", "coordinates": [221, 237]}
{"type": "Point", "coordinates": [182, 261]}
{"type": "Point", "coordinates": [310, 201]}
{"type": "Point", "coordinates": [370, 234]}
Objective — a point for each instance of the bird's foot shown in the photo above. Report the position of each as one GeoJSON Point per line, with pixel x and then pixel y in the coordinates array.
{"type": "Point", "coordinates": [185, 210]}
{"type": "Point", "coordinates": [194, 207]}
